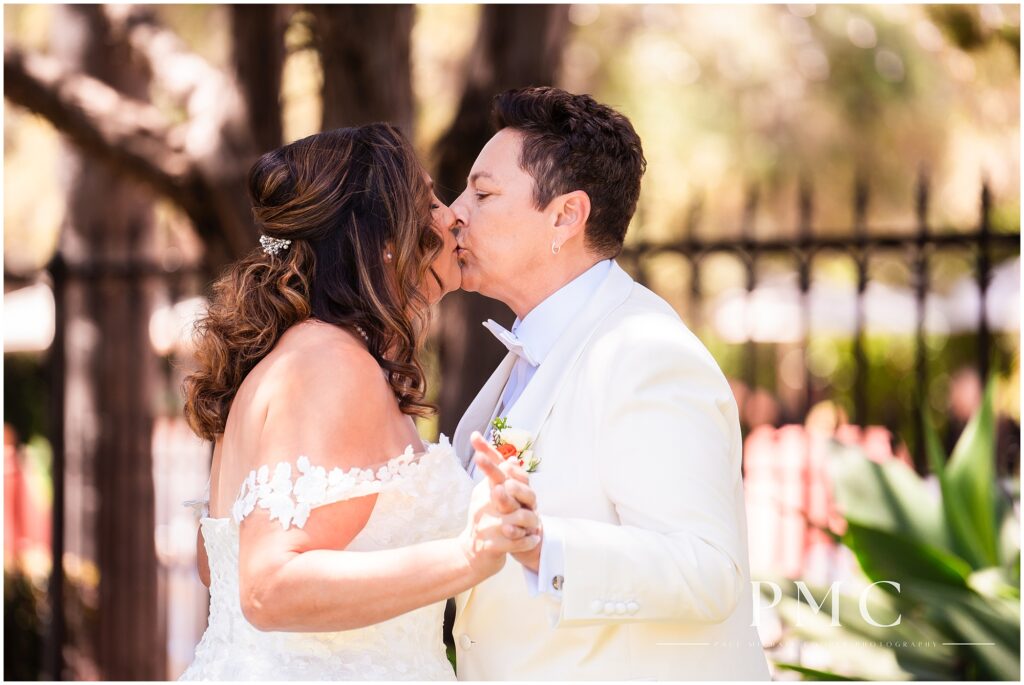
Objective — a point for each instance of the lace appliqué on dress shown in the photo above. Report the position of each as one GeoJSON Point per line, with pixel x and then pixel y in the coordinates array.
{"type": "Point", "coordinates": [291, 502]}
{"type": "Point", "coordinates": [430, 503]}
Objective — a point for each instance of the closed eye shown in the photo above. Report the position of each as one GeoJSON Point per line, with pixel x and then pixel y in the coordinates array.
{"type": "Point", "coordinates": [480, 195]}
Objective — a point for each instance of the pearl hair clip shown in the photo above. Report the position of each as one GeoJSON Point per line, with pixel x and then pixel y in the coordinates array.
{"type": "Point", "coordinates": [274, 245]}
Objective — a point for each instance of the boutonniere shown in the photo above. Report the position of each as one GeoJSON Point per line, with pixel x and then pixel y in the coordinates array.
{"type": "Point", "coordinates": [514, 443]}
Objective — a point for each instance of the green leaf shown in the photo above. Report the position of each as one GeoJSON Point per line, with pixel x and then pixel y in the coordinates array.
{"type": "Point", "coordinates": [933, 446]}
{"type": "Point", "coordinates": [969, 490]}
{"type": "Point", "coordinates": [992, 625]}
{"type": "Point", "coordinates": [923, 663]}
{"type": "Point", "coordinates": [811, 673]}
{"type": "Point", "coordinates": [889, 497]}
{"type": "Point", "coordinates": [886, 556]}
{"type": "Point", "coordinates": [1009, 530]}
{"type": "Point", "coordinates": [995, 582]}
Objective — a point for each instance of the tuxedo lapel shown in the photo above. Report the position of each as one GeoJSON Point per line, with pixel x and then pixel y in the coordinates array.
{"type": "Point", "coordinates": [479, 413]}
{"type": "Point", "coordinates": [532, 408]}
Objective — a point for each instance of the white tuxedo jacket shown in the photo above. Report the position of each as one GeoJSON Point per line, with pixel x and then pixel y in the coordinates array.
{"type": "Point", "coordinates": [640, 447]}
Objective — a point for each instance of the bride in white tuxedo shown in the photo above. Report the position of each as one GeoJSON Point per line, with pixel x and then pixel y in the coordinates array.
{"type": "Point", "coordinates": [332, 535]}
{"type": "Point", "coordinates": [642, 571]}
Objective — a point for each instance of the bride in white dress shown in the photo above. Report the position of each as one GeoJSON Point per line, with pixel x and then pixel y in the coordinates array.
{"type": "Point", "coordinates": [333, 535]}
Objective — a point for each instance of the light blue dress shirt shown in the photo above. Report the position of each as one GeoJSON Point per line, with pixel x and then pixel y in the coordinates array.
{"type": "Point", "coordinates": [538, 333]}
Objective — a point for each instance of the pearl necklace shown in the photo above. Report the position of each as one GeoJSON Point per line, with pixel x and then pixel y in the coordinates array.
{"type": "Point", "coordinates": [362, 333]}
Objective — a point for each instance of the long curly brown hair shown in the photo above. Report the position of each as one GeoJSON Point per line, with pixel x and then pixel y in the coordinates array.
{"type": "Point", "coordinates": [344, 198]}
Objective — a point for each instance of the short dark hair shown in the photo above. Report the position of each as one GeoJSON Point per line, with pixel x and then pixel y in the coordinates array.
{"type": "Point", "coordinates": [572, 142]}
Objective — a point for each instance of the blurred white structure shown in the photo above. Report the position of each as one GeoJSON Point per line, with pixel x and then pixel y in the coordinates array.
{"type": "Point", "coordinates": [773, 311]}
{"type": "Point", "coordinates": [29, 315]}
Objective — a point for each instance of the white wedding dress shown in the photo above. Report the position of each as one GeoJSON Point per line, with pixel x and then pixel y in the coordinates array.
{"type": "Point", "coordinates": [422, 496]}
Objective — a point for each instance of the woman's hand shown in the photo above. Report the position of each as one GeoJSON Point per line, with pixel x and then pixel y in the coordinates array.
{"type": "Point", "coordinates": [498, 524]}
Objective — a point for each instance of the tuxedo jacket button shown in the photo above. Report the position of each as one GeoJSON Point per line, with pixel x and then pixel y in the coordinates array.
{"type": "Point", "coordinates": [465, 642]}
{"type": "Point", "coordinates": [596, 606]}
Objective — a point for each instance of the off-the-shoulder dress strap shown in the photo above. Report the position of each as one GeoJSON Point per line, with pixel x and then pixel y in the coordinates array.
{"type": "Point", "coordinates": [201, 505]}
{"type": "Point", "coordinates": [290, 494]}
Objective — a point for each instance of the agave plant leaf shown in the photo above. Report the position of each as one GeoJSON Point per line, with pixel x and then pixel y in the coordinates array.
{"type": "Point", "coordinates": [915, 643]}
{"type": "Point", "coordinates": [811, 673]}
{"type": "Point", "coordinates": [889, 497]}
{"type": "Point", "coordinates": [1009, 532]}
{"type": "Point", "coordinates": [986, 627]}
{"type": "Point", "coordinates": [995, 582]}
{"type": "Point", "coordinates": [970, 496]}
{"type": "Point", "coordinates": [886, 556]}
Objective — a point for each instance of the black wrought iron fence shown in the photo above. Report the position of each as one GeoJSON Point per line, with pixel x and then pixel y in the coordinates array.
{"type": "Point", "coordinates": [918, 244]}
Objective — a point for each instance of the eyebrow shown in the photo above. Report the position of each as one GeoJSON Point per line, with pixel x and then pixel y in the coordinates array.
{"type": "Point", "coordinates": [479, 174]}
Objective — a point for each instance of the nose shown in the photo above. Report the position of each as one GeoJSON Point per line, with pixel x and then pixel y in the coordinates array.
{"type": "Point", "coordinates": [448, 221]}
{"type": "Point", "coordinates": [458, 209]}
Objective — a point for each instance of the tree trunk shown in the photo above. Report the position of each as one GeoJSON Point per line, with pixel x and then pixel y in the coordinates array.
{"type": "Point", "coordinates": [364, 50]}
{"type": "Point", "coordinates": [257, 50]}
{"type": "Point", "coordinates": [109, 515]}
{"type": "Point", "coordinates": [516, 45]}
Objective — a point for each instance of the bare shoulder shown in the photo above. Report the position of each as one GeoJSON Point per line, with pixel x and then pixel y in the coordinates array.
{"type": "Point", "coordinates": [323, 391]}
{"type": "Point", "coordinates": [314, 352]}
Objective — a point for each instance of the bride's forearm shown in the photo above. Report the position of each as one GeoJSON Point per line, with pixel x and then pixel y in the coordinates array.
{"type": "Point", "coordinates": [328, 590]}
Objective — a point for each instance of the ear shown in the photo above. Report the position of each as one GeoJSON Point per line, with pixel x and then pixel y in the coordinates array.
{"type": "Point", "coordinates": [571, 212]}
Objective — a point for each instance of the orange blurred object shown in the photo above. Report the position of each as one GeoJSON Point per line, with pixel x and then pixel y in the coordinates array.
{"type": "Point", "coordinates": [26, 513]}
{"type": "Point", "coordinates": [791, 509]}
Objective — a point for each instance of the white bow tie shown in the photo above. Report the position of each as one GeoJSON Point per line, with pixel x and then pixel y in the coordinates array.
{"type": "Point", "coordinates": [510, 340]}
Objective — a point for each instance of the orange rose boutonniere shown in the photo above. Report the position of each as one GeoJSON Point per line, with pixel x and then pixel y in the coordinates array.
{"type": "Point", "coordinates": [512, 443]}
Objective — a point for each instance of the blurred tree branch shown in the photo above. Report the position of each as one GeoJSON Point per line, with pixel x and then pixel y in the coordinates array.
{"type": "Point", "coordinates": [963, 25]}
{"type": "Point", "coordinates": [129, 133]}
{"type": "Point", "coordinates": [200, 164]}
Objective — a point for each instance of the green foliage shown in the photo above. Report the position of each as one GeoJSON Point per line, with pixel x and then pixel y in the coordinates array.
{"type": "Point", "coordinates": [955, 557]}
{"type": "Point", "coordinates": [810, 673]}
{"type": "Point", "coordinates": [970, 500]}
{"type": "Point", "coordinates": [26, 389]}
{"type": "Point", "coordinates": [23, 627]}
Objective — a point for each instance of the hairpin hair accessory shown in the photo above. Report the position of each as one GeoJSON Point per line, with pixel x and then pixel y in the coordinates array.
{"type": "Point", "coordinates": [274, 245]}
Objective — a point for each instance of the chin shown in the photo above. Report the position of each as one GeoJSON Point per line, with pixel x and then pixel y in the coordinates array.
{"type": "Point", "coordinates": [469, 281]}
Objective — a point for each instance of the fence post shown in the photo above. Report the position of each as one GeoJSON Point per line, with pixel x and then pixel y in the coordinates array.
{"type": "Point", "coordinates": [805, 255]}
{"type": "Point", "coordinates": [984, 275]}
{"type": "Point", "coordinates": [53, 655]}
{"type": "Point", "coordinates": [921, 282]}
{"type": "Point", "coordinates": [693, 216]}
{"type": "Point", "coordinates": [750, 261]}
{"type": "Point", "coordinates": [860, 209]}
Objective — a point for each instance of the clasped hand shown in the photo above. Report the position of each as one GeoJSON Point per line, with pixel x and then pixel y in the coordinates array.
{"type": "Point", "coordinates": [502, 514]}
